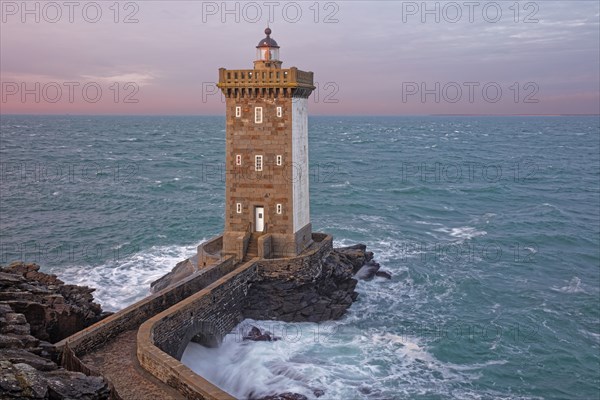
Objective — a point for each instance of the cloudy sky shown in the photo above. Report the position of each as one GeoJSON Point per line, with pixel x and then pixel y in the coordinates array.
{"type": "Point", "coordinates": [369, 58]}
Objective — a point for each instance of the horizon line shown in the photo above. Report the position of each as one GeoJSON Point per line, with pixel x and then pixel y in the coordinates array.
{"type": "Point", "coordinates": [311, 115]}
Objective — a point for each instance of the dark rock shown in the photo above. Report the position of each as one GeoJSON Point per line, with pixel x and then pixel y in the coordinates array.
{"type": "Point", "coordinates": [8, 378]}
{"type": "Point", "coordinates": [35, 306]}
{"type": "Point", "coordinates": [16, 329]}
{"type": "Point", "coordinates": [52, 309]}
{"type": "Point", "coordinates": [10, 279]}
{"type": "Point", "coordinates": [31, 381]}
{"type": "Point", "coordinates": [318, 392]}
{"type": "Point", "coordinates": [285, 396]}
{"type": "Point", "coordinates": [324, 297]}
{"type": "Point", "coordinates": [356, 255]}
{"type": "Point", "coordinates": [10, 342]}
{"type": "Point", "coordinates": [15, 319]}
{"type": "Point", "coordinates": [182, 270]}
{"type": "Point", "coordinates": [64, 384]}
{"type": "Point", "coordinates": [365, 390]}
{"type": "Point", "coordinates": [22, 381]}
{"type": "Point", "coordinates": [18, 356]}
{"type": "Point", "coordinates": [368, 271]}
{"type": "Point", "coordinates": [254, 332]}
{"type": "Point", "coordinates": [383, 274]}
{"type": "Point", "coordinates": [257, 336]}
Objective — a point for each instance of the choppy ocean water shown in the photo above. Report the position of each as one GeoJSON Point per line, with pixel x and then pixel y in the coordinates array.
{"type": "Point", "coordinates": [490, 227]}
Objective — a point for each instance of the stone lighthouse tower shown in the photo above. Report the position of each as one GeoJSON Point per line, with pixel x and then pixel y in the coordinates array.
{"type": "Point", "coordinates": [266, 198]}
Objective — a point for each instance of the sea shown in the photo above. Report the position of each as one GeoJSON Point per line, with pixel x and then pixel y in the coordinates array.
{"type": "Point", "coordinates": [489, 226]}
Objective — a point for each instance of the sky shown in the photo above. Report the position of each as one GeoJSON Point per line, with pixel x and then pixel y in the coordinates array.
{"type": "Point", "coordinates": [368, 58]}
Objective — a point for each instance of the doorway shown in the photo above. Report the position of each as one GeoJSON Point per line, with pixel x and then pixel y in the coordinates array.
{"type": "Point", "coordinates": [259, 219]}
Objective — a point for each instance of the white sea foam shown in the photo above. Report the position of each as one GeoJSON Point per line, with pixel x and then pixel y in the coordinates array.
{"type": "Point", "coordinates": [463, 232]}
{"type": "Point", "coordinates": [428, 223]}
{"type": "Point", "coordinates": [592, 335]}
{"type": "Point", "coordinates": [336, 185]}
{"type": "Point", "coordinates": [574, 286]}
{"type": "Point", "coordinates": [350, 364]}
{"type": "Point", "coordinates": [121, 282]}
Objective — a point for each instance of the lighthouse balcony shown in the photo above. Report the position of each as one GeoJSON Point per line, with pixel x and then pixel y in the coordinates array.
{"type": "Point", "coordinates": [292, 77]}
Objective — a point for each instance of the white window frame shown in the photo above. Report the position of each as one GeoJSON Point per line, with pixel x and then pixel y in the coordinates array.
{"type": "Point", "coordinates": [279, 111]}
{"type": "Point", "coordinates": [279, 208]}
{"type": "Point", "coordinates": [258, 163]}
{"type": "Point", "coordinates": [238, 111]}
{"type": "Point", "coordinates": [238, 159]}
{"type": "Point", "coordinates": [258, 115]}
{"type": "Point", "coordinates": [279, 160]}
{"type": "Point", "coordinates": [238, 208]}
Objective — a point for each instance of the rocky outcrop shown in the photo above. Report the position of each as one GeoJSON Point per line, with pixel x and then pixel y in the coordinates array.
{"type": "Point", "coordinates": [53, 309]}
{"type": "Point", "coordinates": [182, 270]}
{"type": "Point", "coordinates": [23, 381]}
{"type": "Point", "coordinates": [285, 396]}
{"type": "Point", "coordinates": [36, 308]}
{"type": "Point", "coordinates": [370, 270]}
{"type": "Point", "coordinates": [326, 297]}
{"type": "Point", "coordinates": [256, 335]}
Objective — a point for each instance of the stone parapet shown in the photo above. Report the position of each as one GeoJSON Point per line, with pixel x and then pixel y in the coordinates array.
{"type": "Point", "coordinates": [292, 77]}
{"type": "Point", "coordinates": [209, 252]}
{"type": "Point", "coordinates": [133, 316]}
{"type": "Point", "coordinates": [211, 314]}
{"type": "Point", "coordinates": [303, 268]}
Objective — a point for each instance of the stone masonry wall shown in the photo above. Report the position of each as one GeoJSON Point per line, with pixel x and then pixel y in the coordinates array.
{"type": "Point", "coordinates": [214, 313]}
{"type": "Point", "coordinates": [304, 268]}
{"type": "Point", "coordinates": [273, 184]}
{"type": "Point", "coordinates": [210, 313]}
{"type": "Point", "coordinates": [133, 316]}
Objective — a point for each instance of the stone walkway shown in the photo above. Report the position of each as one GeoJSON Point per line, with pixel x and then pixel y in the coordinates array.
{"type": "Point", "coordinates": [118, 362]}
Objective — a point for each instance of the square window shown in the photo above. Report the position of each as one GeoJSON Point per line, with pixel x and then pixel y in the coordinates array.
{"type": "Point", "coordinates": [238, 159]}
{"type": "Point", "coordinates": [279, 160]}
{"type": "Point", "coordinates": [238, 111]}
{"type": "Point", "coordinates": [238, 208]}
{"type": "Point", "coordinates": [258, 116]}
{"type": "Point", "coordinates": [279, 209]}
{"type": "Point", "coordinates": [258, 163]}
{"type": "Point", "coordinates": [279, 112]}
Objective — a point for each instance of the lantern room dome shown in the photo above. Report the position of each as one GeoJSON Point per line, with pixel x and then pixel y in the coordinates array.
{"type": "Point", "coordinates": [268, 41]}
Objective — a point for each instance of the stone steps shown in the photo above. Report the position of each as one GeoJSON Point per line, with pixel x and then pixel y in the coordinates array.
{"type": "Point", "coordinates": [252, 250]}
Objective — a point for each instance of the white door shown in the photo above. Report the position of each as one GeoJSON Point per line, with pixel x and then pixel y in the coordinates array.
{"type": "Point", "coordinates": [259, 220]}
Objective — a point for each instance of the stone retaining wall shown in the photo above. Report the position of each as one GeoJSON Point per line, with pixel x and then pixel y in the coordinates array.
{"type": "Point", "coordinates": [133, 316]}
{"type": "Point", "coordinates": [209, 252]}
{"type": "Point", "coordinates": [305, 267]}
{"type": "Point", "coordinates": [211, 313]}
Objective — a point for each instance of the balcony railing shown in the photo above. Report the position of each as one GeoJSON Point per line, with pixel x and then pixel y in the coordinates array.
{"type": "Point", "coordinates": [291, 77]}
